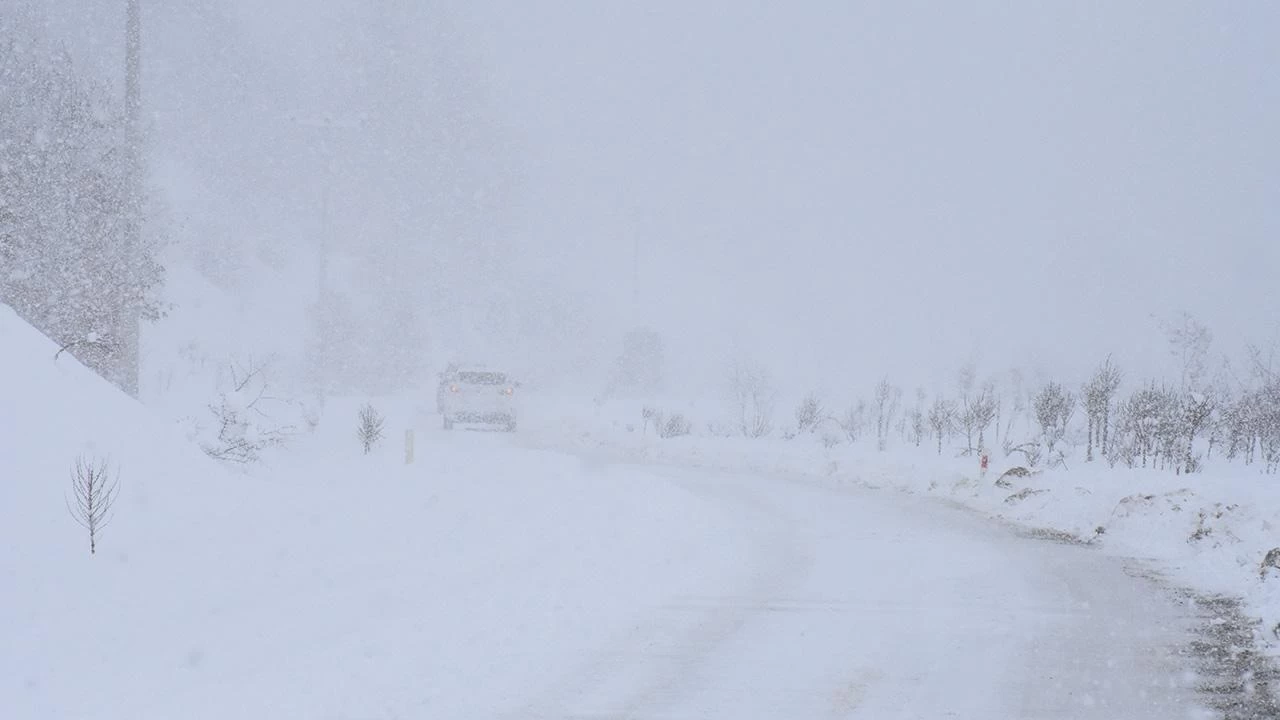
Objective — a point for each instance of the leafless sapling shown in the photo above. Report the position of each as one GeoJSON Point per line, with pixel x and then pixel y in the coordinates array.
{"type": "Point", "coordinates": [370, 430]}
{"type": "Point", "coordinates": [1096, 398]}
{"type": "Point", "coordinates": [942, 418]}
{"type": "Point", "coordinates": [853, 420]}
{"type": "Point", "coordinates": [674, 425]}
{"type": "Point", "coordinates": [1054, 407]}
{"type": "Point", "coordinates": [917, 425]}
{"type": "Point", "coordinates": [984, 408]}
{"type": "Point", "coordinates": [809, 414]}
{"type": "Point", "coordinates": [888, 398]}
{"type": "Point", "coordinates": [1197, 410]}
{"type": "Point", "coordinates": [753, 397]}
{"type": "Point", "coordinates": [245, 429]}
{"type": "Point", "coordinates": [1189, 341]}
{"type": "Point", "coordinates": [95, 489]}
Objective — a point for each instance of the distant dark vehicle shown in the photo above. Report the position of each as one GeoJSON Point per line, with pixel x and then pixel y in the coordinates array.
{"type": "Point", "coordinates": [477, 396]}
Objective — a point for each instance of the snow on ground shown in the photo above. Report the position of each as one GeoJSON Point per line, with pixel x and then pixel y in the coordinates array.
{"type": "Point", "coordinates": [489, 578]}
{"type": "Point", "coordinates": [1210, 531]}
{"type": "Point", "coordinates": [334, 585]}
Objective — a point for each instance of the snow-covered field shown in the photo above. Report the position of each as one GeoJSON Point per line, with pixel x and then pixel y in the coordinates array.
{"type": "Point", "coordinates": [501, 576]}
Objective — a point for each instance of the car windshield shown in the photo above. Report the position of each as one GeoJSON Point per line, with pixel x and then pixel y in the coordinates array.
{"type": "Point", "coordinates": [482, 378]}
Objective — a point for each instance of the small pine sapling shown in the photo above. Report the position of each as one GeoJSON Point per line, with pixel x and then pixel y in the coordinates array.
{"type": "Point", "coordinates": [370, 430]}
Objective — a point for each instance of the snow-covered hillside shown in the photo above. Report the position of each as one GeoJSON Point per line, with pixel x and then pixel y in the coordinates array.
{"type": "Point", "coordinates": [337, 585]}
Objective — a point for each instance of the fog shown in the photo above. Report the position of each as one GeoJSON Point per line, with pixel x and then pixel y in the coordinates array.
{"type": "Point", "coordinates": [838, 190]}
{"type": "Point", "coordinates": [888, 187]}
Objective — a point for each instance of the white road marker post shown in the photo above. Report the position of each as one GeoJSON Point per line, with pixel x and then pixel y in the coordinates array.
{"type": "Point", "coordinates": [408, 446]}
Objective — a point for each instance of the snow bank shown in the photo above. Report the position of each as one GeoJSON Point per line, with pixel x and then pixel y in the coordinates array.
{"type": "Point", "coordinates": [1208, 531]}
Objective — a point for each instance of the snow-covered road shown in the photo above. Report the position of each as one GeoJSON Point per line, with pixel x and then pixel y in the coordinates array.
{"type": "Point", "coordinates": [490, 581]}
{"type": "Point", "coordinates": [849, 603]}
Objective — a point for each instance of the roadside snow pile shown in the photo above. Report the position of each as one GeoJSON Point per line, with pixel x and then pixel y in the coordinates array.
{"type": "Point", "coordinates": [1213, 533]}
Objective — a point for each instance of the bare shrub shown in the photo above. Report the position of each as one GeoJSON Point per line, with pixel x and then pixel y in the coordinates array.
{"type": "Point", "coordinates": [674, 425]}
{"type": "Point", "coordinates": [1054, 408]}
{"type": "Point", "coordinates": [942, 419]}
{"type": "Point", "coordinates": [370, 430]}
{"type": "Point", "coordinates": [245, 428]}
{"type": "Point", "coordinates": [719, 430]}
{"type": "Point", "coordinates": [809, 414]}
{"type": "Point", "coordinates": [95, 490]}
{"type": "Point", "coordinates": [1252, 424]}
{"type": "Point", "coordinates": [983, 411]}
{"type": "Point", "coordinates": [1032, 452]}
{"type": "Point", "coordinates": [753, 397]}
{"type": "Point", "coordinates": [854, 420]}
{"type": "Point", "coordinates": [974, 413]}
{"type": "Point", "coordinates": [1149, 427]}
{"type": "Point", "coordinates": [1097, 397]}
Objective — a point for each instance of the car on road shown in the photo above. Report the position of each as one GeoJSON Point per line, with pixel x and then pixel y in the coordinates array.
{"type": "Point", "coordinates": [477, 396]}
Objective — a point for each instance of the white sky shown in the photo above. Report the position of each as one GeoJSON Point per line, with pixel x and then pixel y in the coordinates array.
{"type": "Point", "coordinates": [882, 184]}
{"type": "Point", "coordinates": [848, 188]}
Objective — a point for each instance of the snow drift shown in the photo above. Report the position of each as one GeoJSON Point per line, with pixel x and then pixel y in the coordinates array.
{"type": "Point", "coordinates": [334, 585]}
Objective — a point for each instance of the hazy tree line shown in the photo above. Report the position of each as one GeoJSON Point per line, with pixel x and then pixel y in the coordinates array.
{"type": "Point", "coordinates": [1174, 424]}
{"type": "Point", "coordinates": [71, 199]}
{"type": "Point", "coordinates": [421, 200]}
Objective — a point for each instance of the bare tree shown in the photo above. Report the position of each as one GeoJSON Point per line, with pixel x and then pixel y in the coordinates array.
{"type": "Point", "coordinates": [942, 418]}
{"type": "Point", "coordinates": [1169, 430]}
{"type": "Point", "coordinates": [1054, 407]}
{"type": "Point", "coordinates": [1263, 363]}
{"type": "Point", "coordinates": [370, 430]}
{"type": "Point", "coordinates": [1144, 420]}
{"type": "Point", "coordinates": [965, 380]}
{"type": "Point", "coordinates": [753, 399]}
{"type": "Point", "coordinates": [1189, 341]}
{"type": "Point", "coordinates": [95, 489]}
{"type": "Point", "coordinates": [918, 421]}
{"type": "Point", "coordinates": [887, 399]}
{"type": "Point", "coordinates": [972, 411]}
{"type": "Point", "coordinates": [1097, 398]}
{"type": "Point", "coordinates": [984, 408]}
{"type": "Point", "coordinates": [809, 413]}
{"type": "Point", "coordinates": [854, 420]}
{"type": "Point", "coordinates": [1197, 408]}
{"type": "Point", "coordinates": [1018, 405]}
{"type": "Point", "coordinates": [1268, 423]}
